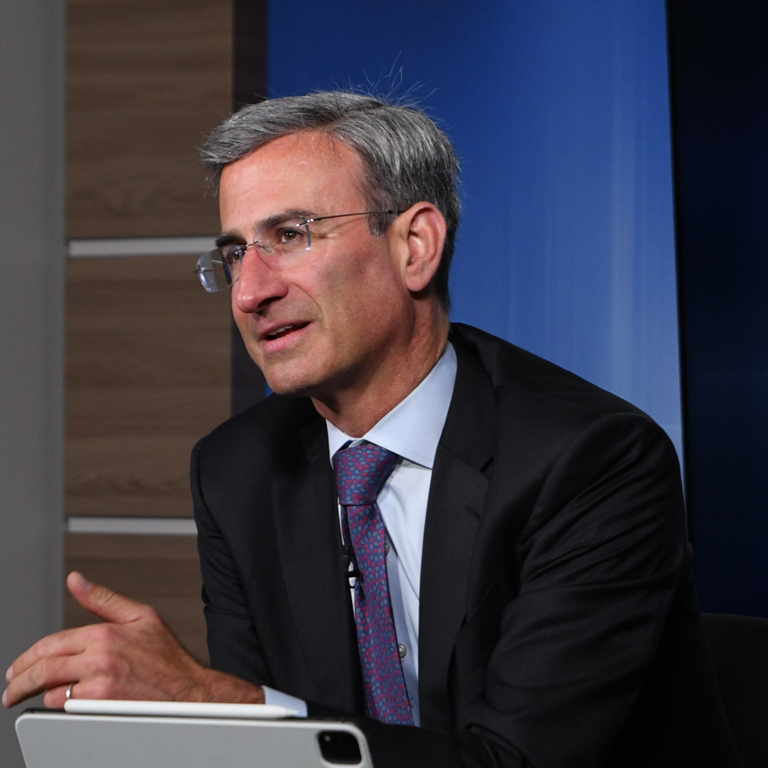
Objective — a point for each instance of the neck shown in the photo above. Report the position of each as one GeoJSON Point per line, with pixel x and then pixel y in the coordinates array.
{"type": "Point", "coordinates": [357, 408]}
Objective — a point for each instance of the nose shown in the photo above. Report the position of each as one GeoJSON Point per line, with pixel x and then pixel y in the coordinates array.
{"type": "Point", "coordinates": [258, 284]}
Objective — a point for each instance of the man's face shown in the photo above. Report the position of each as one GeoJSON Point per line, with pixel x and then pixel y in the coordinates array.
{"type": "Point", "coordinates": [337, 316]}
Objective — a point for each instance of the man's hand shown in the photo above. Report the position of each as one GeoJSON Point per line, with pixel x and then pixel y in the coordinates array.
{"type": "Point", "coordinates": [131, 656]}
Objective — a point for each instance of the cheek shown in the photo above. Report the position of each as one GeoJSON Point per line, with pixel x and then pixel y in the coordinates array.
{"type": "Point", "coordinates": [363, 281]}
{"type": "Point", "coordinates": [335, 286]}
{"type": "Point", "coordinates": [373, 314]}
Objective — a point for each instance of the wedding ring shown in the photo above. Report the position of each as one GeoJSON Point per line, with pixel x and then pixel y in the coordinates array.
{"type": "Point", "coordinates": [69, 691]}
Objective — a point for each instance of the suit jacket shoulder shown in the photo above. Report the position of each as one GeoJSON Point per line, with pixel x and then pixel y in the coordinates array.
{"type": "Point", "coordinates": [508, 365]}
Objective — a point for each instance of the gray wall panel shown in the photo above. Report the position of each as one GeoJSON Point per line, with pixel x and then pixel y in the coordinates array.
{"type": "Point", "coordinates": [31, 340]}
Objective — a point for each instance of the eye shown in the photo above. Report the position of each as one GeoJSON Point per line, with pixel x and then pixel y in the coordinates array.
{"type": "Point", "coordinates": [290, 235]}
{"type": "Point", "coordinates": [232, 253]}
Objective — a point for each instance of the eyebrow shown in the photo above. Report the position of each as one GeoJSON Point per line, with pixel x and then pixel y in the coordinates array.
{"type": "Point", "coordinates": [271, 221]}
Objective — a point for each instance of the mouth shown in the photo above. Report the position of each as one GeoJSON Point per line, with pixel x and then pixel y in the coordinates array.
{"type": "Point", "coordinates": [283, 330]}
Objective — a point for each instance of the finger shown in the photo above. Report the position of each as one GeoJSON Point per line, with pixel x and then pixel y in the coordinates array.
{"type": "Point", "coordinates": [103, 602]}
{"type": "Point", "coordinates": [55, 698]}
{"type": "Point", "coordinates": [68, 642]}
{"type": "Point", "coordinates": [46, 675]}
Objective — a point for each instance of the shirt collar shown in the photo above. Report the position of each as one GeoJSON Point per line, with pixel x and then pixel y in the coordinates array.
{"type": "Point", "coordinates": [412, 429]}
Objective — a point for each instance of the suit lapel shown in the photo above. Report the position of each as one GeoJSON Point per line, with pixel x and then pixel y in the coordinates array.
{"type": "Point", "coordinates": [456, 500]}
{"type": "Point", "coordinates": [310, 552]}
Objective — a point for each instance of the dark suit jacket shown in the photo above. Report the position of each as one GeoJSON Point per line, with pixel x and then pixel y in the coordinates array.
{"type": "Point", "coordinates": [558, 619]}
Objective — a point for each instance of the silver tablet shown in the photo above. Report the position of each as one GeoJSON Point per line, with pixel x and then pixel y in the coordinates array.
{"type": "Point", "coordinates": [210, 737]}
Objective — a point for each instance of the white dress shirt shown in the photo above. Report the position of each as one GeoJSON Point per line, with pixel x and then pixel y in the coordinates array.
{"type": "Point", "coordinates": [412, 431]}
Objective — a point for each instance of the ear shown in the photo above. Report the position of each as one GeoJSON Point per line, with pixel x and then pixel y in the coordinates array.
{"type": "Point", "coordinates": [420, 233]}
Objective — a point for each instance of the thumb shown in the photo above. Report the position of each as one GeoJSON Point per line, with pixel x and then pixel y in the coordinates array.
{"type": "Point", "coordinates": [103, 602]}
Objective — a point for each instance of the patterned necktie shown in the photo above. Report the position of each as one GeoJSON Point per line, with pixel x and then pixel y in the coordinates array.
{"type": "Point", "coordinates": [360, 473]}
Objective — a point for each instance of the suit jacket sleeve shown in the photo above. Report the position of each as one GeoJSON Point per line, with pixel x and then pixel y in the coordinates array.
{"type": "Point", "coordinates": [232, 640]}
{"type": "Point", "coordinates": [600, 561]}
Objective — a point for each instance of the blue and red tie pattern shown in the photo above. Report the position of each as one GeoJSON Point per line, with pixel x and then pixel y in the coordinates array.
{"type": "Point", "coordinates": [360, 474]}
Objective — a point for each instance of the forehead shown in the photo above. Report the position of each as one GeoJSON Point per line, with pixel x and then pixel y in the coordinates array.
{"type": "Point", "coordinates": [306, 171]}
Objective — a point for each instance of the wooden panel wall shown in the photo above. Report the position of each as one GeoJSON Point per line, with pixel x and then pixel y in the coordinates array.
{"type": "Point", "coordinates": [147, 350]}
{"type": "Point", "coordinates": [147, 374]}
{"type": "Point", "coordinates": [147, 79]}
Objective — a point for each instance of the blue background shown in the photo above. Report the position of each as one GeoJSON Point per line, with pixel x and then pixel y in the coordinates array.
{"type": "Point", "coordinates": [559, 113]}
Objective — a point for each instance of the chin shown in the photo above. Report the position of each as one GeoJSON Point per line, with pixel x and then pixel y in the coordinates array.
{"type": "Point", "coordinates": [290, 385]}
{"type": "Point", "coordinates": [304, 378]}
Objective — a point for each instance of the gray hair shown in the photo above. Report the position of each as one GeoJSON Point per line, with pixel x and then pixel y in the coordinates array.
{"type": "Point", "coordinates": [406, 157]}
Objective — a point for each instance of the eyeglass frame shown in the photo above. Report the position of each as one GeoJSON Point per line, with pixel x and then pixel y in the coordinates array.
{"type": "Point", "coordinates": [242, 249]}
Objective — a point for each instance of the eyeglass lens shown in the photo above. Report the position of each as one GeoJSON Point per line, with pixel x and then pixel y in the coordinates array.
{"type": "Point", "coordinates": [220, 268]}
{"type": "Point", "coordinates": [277, 246]}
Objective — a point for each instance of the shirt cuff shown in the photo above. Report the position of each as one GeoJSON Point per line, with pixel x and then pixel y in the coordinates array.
{"type": "Point", "coordinates": [272, 696]}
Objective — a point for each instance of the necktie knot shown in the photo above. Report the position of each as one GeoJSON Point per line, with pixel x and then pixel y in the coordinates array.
{"type": "Point", "coordinates": [361, 471]}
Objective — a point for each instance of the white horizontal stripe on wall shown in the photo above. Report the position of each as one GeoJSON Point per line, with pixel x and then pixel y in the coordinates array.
{"type": "Point", "coordinates": [141, 246]}
{"type": "Point", "coordinates": [152, 526]}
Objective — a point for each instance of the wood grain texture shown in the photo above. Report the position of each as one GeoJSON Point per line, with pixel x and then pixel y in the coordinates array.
{"type": "Point", "coordinates": [146, 81]}
{"type": "Point", "coordinates": [162, 571]}
{"type": "Point", "coordinates": [147, 374]}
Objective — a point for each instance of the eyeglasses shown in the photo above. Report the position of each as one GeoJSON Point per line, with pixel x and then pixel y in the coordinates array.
{"type": "Point", "coordinates": [281, 242]}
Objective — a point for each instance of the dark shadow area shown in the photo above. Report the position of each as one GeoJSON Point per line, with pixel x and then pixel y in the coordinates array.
{"type": "Point", "coordinates": [719, 70]}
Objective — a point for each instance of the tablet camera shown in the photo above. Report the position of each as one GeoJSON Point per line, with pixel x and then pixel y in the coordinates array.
{"type": "Point", "coordinates": [339, 748]}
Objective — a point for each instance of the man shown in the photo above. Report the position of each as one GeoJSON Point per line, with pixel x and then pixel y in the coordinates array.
{"type": "Point", "coordinates": [536, 606]}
